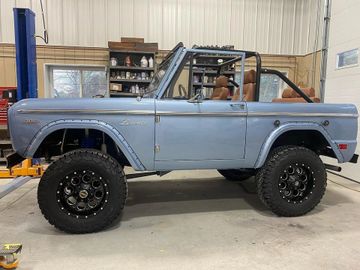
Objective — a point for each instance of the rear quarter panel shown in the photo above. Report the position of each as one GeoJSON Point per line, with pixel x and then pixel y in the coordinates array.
{"type": "Point", "coordinates": [262, 132]}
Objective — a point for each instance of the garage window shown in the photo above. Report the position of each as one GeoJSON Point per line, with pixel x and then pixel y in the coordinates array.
{"type": "Point", "coordinates": [76, 81]}
{"type": "Point", "coordinates": [347, 59]}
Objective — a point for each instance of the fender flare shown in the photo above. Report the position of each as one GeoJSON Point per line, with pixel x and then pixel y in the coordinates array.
{"type": "Point", "coordinates": [86, 124]}
{"type": "Point", "coordinates": [265, 149]}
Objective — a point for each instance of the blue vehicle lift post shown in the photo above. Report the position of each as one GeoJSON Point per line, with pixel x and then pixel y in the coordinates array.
{"type": "Point", "coordinates": [25, 43]}
{"type": "Point", "coordinates": [26, 71]}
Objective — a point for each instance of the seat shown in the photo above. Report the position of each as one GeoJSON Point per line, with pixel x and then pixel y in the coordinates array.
{"type": "Point", "coordinates": [248, 87]}
{"type": "Point", "coordinates": [221, 90]}
{"type": "Point", "coordinates": [289, 95]}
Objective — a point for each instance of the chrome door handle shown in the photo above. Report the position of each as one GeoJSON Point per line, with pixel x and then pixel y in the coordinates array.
{"type": "Point", "coordinates": [238, 106]}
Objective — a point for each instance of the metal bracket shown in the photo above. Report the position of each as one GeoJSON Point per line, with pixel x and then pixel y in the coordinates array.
{"type": "Point", "coordinates": [14, 184]}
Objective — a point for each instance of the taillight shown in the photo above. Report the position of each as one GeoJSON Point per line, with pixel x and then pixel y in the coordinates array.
{"type": "Point", "coordinates": [343, 146]}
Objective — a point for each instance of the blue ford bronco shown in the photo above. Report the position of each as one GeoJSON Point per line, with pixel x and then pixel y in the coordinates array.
{"type": "Point", "coordinates": [183, 122]}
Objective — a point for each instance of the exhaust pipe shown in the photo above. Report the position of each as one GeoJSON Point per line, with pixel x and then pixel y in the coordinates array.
{"type": "Point", "coordinates": [332, 167]}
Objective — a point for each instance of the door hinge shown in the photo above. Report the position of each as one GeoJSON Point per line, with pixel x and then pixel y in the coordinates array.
{"type": "Point", "coordinates": [157, 148]}
{"type": "Point", "coordinates": [157, 118]}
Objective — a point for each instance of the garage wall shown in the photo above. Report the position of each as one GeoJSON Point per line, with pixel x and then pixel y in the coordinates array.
{"type": "Point", "coordinates": [268, 26]}
{"type": "Point", "coordinates": [99, 56]}
{"type": "Point", "coordinates": [343, 85]}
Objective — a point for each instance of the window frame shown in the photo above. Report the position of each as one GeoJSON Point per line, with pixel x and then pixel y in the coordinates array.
{"type": "Point", "coordinates": [49, 80]}
{"type": "Point", "coordinates": [337, 67]}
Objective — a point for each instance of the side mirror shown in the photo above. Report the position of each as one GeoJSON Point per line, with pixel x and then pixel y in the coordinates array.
{"type": "Point", "coordinates": [198, 98]}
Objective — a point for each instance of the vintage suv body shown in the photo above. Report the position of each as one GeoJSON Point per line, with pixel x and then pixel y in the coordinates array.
{"type": "Point", "coordinates": [173, 127]}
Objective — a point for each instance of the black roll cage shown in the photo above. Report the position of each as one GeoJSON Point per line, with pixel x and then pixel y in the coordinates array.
{"type": "Point", "coordinates": [260, 70]}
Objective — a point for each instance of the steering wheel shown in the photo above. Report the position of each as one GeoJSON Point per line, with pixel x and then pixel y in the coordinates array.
{"type": "Point", "coordinates": [182, 92]}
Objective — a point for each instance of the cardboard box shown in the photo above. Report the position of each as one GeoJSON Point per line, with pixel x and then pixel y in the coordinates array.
{"type": "Point", "coordinates": [132, 39]}
{"type": "Point", "coordinates": [146, 47]}
{"type": "Point", "coordinates": [115, 87]}
{"type": "Point", "coordinates": [125, 46]}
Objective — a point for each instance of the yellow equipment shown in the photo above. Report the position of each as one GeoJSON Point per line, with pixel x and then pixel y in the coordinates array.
{"type": "Point", "coordinates": [9, 255]}
{"type": "Point", "coordinates": [26, 168]}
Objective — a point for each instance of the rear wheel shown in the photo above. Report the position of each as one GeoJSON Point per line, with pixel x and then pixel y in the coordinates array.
{"type": "Point", "coordinates": [292, 181]}
{"type": "Point", "coordinates": [84, 191]}
{"type": "Point", "coordinates": [236, 175]}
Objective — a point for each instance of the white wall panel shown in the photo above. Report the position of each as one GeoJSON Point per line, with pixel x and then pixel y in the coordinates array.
{"type": "Point", "coordinates": [342, 85]}
{"type": "Point", "coordinates": [155, 22]}
{"type": "Point", "coordinates": [183, 21]}
{"type": "Point", "coordinates": [223, 22]}
{"type": "Point", "coordinates": [70, 22]}
{"type": "Point", "coordinates": [86, 32]}
{"type": "Point", "coordinates": [275, 34]}
{"type": "Point", "coordinates": [169, 24]}
{"type": "Point", "coordinates": [55, 21]}
{"type": "Point", "coordinates": [141, 18]}
{"type": "Point", "coordinates": [197, 21]}
{"type": "Point", "coordinates": [237, 23]}
{"type": "Point", "coordinates": [268, 26]}
{"type": "Point", "coordinates": [99, 17]}
{"type": "Point", "coordinates": [263, 22]}
{"type": "Point", "coordinates": [211, 21]}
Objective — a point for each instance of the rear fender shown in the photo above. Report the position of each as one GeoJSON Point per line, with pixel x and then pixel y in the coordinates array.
{"type": "Point", "coordinates": [265, 149]}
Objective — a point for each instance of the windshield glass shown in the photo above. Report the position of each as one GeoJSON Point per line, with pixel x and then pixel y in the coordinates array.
{"type": "Point", "coordinates": [159, 75]}
{"type": "Point", "coordinates": [163, 67]}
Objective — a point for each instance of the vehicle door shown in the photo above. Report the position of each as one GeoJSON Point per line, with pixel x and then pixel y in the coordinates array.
{"type": "Point", "coordinates": [193, 132]}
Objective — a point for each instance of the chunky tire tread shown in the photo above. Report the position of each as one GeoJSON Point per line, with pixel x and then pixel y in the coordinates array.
{"type": "Point", "coordinates": [265, 182]}
{"type": "Point", "coordinates": [55, 172]}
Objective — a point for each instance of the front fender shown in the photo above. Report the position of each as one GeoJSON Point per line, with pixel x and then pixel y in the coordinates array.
{"type": "Point", "coordinates": [265, 149]}
{"type": "Point", "coordinates": [86, 124]}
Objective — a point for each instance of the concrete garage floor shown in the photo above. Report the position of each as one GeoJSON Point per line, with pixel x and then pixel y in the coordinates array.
{"type": "Point", "coordinates": [192, 220]}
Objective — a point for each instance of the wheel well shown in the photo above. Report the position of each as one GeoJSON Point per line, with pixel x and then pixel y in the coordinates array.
{"type": "Point", "coordinates": [311, 139]}
{"type": "Point", "coordinates": [64, 140]}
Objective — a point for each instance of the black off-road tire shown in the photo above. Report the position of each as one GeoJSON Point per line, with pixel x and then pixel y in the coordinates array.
{"type": "Point", "coordinates": [236, 175]}
{"type": "Point", "coordinates": [269, 181]}
{"type": "Point", "coordinates": [105, 168]}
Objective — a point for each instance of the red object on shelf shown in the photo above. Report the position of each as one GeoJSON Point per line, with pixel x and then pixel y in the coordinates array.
{"type": "Point", "coordinates": [4, 88]}
{"type": "Point", "coordinates": [4, 104]}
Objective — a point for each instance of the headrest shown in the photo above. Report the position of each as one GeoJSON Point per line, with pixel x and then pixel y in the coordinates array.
{"type": "Point", "coordinates": [221, 81]}
{"type": "Point", "coordinates": [309, 91]}
{"type": "Point", "coordinates": [250, 76]}
{"type": "Point", "coordinates": [290, 93]}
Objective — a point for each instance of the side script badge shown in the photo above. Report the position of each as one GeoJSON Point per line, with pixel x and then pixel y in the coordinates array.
{"type": "Point", "coordinates": [127, 122]}
{"type": "Point", "coordinates": [31, 122]}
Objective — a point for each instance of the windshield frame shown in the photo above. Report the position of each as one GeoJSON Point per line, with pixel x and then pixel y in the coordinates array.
{"type": "Point", "coordinates": [172, 59]}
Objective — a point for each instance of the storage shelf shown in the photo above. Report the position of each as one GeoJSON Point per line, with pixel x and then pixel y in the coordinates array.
{"type": "Point", "coordinates": [130, 81]}
{"type": "Point", "coordinates": [132, 68]}
{"type": "Point", "coordinates": [131, 52]}
{"type": "Point", "coordinates": [207, 65]}
{"type": "Point", "coordinates": [209, 84]}
{"type": "Point", "coordinates": [198, 71]}
{"type": "Point", "coordinates": [122, 94]}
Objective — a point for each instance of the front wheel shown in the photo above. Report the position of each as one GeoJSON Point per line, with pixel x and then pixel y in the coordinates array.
{"type": "Point", "coordinates": [292, 181]}
{"type": "Point", "coordinates": [84, 191]}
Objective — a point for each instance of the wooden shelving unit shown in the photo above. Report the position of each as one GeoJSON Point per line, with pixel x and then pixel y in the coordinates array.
{"type": "Point", "coordinates": [204, 72]}
{"type": "Point", "coordinates": [129, 76]}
